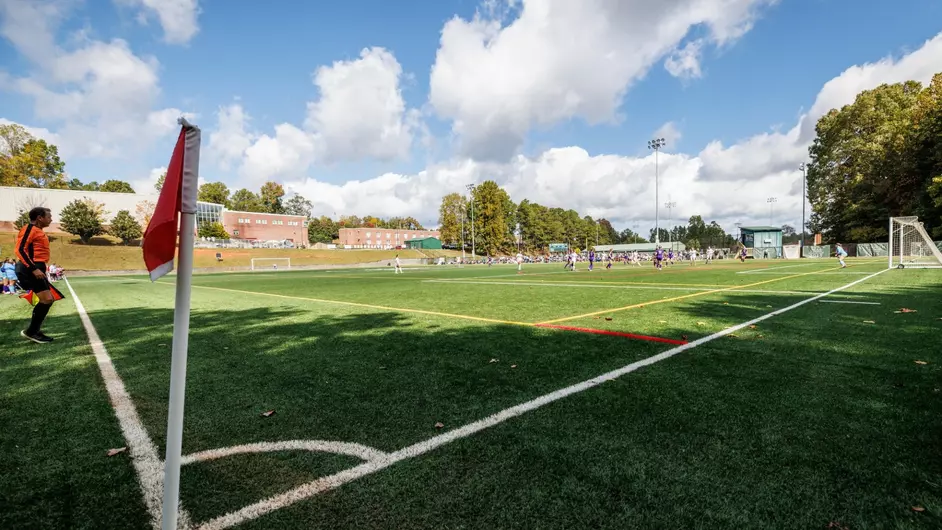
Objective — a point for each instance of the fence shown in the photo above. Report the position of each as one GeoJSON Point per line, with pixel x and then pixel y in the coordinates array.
{"type": "Point", "coordinates": [210, 242]}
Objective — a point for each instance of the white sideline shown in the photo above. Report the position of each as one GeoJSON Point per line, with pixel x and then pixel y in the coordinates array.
{"type": "Point", "coordinates": [323, 484]}
{"type": "Point", "coordinates": [848, 302]}
{"type": "Point", "coordinates": [760, 270]}
{"type": "Point", "coordinates": [147, 463]}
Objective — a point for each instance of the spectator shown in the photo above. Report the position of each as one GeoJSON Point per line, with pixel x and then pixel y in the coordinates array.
{"type": "Point", "coordinates": [8, 274]}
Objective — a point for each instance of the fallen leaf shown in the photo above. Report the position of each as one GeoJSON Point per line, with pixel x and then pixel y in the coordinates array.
{"type": "Point", "coordinates": [513, 365]}
{"type": "Point", "coordinates": [921, 362]}
{"type": "Point", "coordinates": [119, 450]}
{"type": "Point", "coordinates": [662, 322]}
{"type": "Point", "coordinates": [768, 306]}
{"type": "Point", "coordinates": [701, 323]}
{"type": "Point", "coordinates": [918, 508]}
{"type": "Point", "coordinates": [753, 326]}
{"type": "Point", "coordinates": [760, 336]}
{"type": "Point", "coordinates": [869, 322]}
{"type": "Point", "coordinates": [733, 335]}
{"type": "Point", "coordinates": [268, 413]}
{"type": "Point", "coordinates": [906, 310]}
{"type": "Point", "coordinates": [837, 526]}
{"type": "Point", "coordinates": [683, 337]}
{"type": "Point", "coordinates": [897, 312]}
{"type": "Point", "coordinates": [725, 303]}
{"type": "Point", "coordinates": [608, 318]}
{"type": "Point", "coordinates": [382, 367]}
{"type": "Point", "coordinates": [492, 361]}
{"type": "Point", "coordinates": [439, 425]}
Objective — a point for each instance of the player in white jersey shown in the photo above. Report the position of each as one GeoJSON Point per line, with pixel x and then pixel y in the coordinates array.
{"type": "Point", "coordinates": [519, 262]}
{"type": "Point", "coordinates": [709, 255]}
{"type": "Point", "coordinates": [693, 257]}
{"type": "Point", "coordinates": [398, 265]}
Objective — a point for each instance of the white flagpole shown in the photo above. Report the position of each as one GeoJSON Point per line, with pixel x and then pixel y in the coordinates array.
{"type": "Point", "coordinates": [181, 328]}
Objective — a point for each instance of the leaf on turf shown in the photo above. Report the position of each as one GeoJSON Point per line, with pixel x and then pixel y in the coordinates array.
{"type": "Point", "coordinates": [268, 413]}
{"type": "Point", "coordinates": [768, 306]}
{"type": "Point", "coordinates": [834, 525]}
{"type": "Point", "coordinates": [918, 508]}
{"type": "Point", "coordinates": [608, 318]}
{"type": "Point", "coordinates": [439, 425]}
{"type": "Point", "coordinates": [684, 337]}
{"type": "Point", "coordinates": [701, 323]}
{"type": "Point", "coordinates": [733, 335]}
{"type": "Point", "coordinates": [921, 362]}
{"type": "Point", "coordinates": [117, 451]}
{"type": "Point", "coordinates": [513, 365]}
{"type": "Point", "coordinates": [869, 322]}
{"type": "Point", "coordinates": [906, 310]}
{"type": "Point", "coordinates": [725, 303]}
{"type": "Point", "coordinates": [753, 326]}
{"type": "Point", "coordinates": [492, 361]}
{"type": "Point", "coordinates": [662, 322]}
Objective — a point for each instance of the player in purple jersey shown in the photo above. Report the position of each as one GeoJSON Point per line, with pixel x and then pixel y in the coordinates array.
{"type": "Point", "coordinates": [658, 258]}
{"type": "Point", "coordinates": [670, 256]}
{"type": "Point", "coordinates": [591, 259]}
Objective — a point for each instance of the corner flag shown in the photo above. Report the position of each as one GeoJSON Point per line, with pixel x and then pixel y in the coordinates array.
{"type": "Point", "coordinates": [177, 202]}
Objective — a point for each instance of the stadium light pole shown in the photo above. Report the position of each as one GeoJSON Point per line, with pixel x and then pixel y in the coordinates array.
{"type": "Point", "coordinates": [656, 144]}
{"type": "Point", "coordinates": [804, 171]}
{"type": "Point", "coordinates": [471, 190]}
{"type": "Point", "coordinates": [771, 201]}
{"type": "Point", "coordinates": [462, 234]}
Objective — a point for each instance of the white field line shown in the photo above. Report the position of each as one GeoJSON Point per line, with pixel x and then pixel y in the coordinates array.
{"type": "Point", "coordinates": [362, 452]}
{"type": "Point", "coordinates": [653, 287]}
{"type": "Point", "coordinates": [336, 480]}
{"type": "Point", "coordinates": [147, 463]}
{"type": "Point", "coordinates": [764, 269]}
{"type": "Point", "coordinates": [845, 273]}
{"type": "Point", "coordinates": [848, 302]}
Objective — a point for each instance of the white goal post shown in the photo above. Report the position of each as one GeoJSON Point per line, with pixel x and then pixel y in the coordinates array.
{"type": "Point", "coordinates": [910, 245]}
{"type": "Point", "coordinates": [268, 264]}
{"type": "Point", "coordinates": [791, 251]}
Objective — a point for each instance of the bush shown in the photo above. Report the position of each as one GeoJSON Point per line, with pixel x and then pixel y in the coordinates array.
{"type": "Point", "coordinates": [22, 220]}
{"type": "Point", "coordinates": [212, 230]}
{"type": "Point", "coordinates": [82, 218]}
{"type": "Point", "coordinates": [125, 227]}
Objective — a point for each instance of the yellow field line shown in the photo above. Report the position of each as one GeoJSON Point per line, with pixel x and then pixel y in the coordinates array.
{"type": "Point", "coordinates": [368, 306]}
{"type": "Point", "coordinates": [682, 297]}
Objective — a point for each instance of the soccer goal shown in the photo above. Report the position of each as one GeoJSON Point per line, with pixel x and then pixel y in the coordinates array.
{"type": "Point", "coordinates": [268, 264]}
{"type": "Point", "coordinates": [791, 251]}
{"type": "Point", "coordinates": [911, 246]}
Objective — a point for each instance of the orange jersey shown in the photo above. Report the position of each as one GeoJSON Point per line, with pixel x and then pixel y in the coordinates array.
{"type": "Point", "coordinates": [32, 246]}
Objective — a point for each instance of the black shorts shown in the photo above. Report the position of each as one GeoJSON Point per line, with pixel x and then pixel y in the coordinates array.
{"type": "Point", "coordinates": [29, 282]}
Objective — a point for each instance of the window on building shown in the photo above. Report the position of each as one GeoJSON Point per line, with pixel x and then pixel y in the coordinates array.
{"type": "Point", "coordinates": [368, 234]}
{"type": "Point", "coordinates": [235, 233]}
{"type": "Point", "coordinates": [387, 235]}
{"type": "Point", "coordinates": [264, 221]}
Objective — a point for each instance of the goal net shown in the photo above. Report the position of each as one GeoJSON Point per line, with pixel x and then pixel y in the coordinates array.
{"type": "Point", "coordinates": [269, 264]}
{"type": "Point", "coordinates": [911, 246]}
{"type": "Point", "coordinates": [791, 251]}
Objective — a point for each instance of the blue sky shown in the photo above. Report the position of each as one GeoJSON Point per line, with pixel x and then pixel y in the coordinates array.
{"type": "Point", "coordinates": [261, 58]}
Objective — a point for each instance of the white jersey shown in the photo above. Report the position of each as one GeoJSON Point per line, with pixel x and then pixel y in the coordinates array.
{"type": "Point", "coordinates": [519, 258]}
{"type": "Point", "coordinates": [398, 263]}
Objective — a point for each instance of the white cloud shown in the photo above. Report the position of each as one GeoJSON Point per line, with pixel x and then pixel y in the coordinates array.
{"type": "Point", "coordinates": [727, 184]}
{"type": "Point", "coordinates": [177, 17]}
{"type": "Point", "coordinates": [685, 62]}
{"type": "Point", "coordinates": [360, 114]}
{"type": "Point", "coordinates": [101, 93]}
{"type": "Point", "coordinates": [560, 60]}
{"type": "Point", "coordinates": [669, 132]}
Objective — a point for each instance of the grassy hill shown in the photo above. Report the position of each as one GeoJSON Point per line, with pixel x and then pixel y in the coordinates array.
{"type": "Point", "coordinates": [107, 253]}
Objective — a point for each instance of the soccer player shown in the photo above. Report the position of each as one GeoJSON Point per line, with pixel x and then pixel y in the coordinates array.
{"type": "Point", "coordinates": [591, 259]}
{"type": "Point", "coordinates": [693, 257]}
{"type": "Point", "coordinates": [32, 251]}
{"type": "Point", "coordinates": [841, 254]}
{"type": "Point", "coordinates": [519, 262]}
{"type": "Point", "coordinates": [709, 255]}
{"type": "Point", "coordinates": [658, 258]}
{"type": "Point", "coordinates": [398, 265]}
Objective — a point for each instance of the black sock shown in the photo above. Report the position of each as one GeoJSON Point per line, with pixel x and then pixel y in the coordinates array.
{"type": "Point", "coordinates": [39, 314]}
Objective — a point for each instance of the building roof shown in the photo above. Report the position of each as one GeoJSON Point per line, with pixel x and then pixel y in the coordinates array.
{"type": "Point", "coordinates": [422, 239]}
{"type": "Point", "coordinates": [762, 228]}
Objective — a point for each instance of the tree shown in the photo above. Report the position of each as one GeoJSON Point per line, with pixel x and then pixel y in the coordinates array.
{"type": "Point", "coordinates": [91, 186]}
{"type": "Point", "coordinates": [144, 211]}
{"type": "Point", "coordinates": [36, 164]}
{"type": "Point", "coordinates": [450, 215]}
{"type": "Point", "coordinates": [322, 230]}
{"type": "Point", "coordinates": [116, 186]}
{"type": "Point", "coordinates": [125, 227]}
{"type": "Point", "coordinates": [21, 220]}
{"type": "Point", "coordinates": [246, 201]}
{"type": "Point", "coordinates": [607, 233]}
{"type": "Point", "coordinates": [270, 196]}
{"type": "Point", "coordinates": [159, 185]}
{"type": "Point", "coordinates": [214, 192]}
{"type": "Point", "coordinates": [82, 218]}
{"type": "Point", "coordinates": [214, 229]}
{"type": "Point", "coordinates": [13, 137]}
{"type": "Point", "coordinates": [490, 217]}
{"type": "Point", "coordinates": [298, 205]}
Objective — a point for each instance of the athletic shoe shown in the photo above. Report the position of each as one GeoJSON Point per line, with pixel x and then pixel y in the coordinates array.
{"type": "Point", "coordinates": [38, 338]}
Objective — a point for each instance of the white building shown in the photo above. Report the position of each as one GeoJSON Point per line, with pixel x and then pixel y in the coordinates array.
{"type": "Point", "coordinates": [16, 200]}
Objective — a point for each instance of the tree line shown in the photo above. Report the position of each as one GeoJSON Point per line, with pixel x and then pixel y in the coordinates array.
{"type": "Point", "coordinates": [876, 158]}
{"type": "Point", "coordinates": [502, 226]}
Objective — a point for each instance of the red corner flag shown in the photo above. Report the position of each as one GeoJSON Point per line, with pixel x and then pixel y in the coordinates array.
{"type": "Point", "coordinates": [176, 207]}
{"type": "Point", "coordinates": [178, 195]}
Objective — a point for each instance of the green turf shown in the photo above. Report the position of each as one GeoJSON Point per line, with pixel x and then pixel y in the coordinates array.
{"type": "Point", "coordinates": [812, 417]}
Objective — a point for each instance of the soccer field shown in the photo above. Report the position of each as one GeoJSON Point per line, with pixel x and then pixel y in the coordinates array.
{"type": "Point", "coordinates": [776, 394]}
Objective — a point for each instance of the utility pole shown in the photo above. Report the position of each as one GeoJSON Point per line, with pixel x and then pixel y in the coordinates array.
{"type": "Point", "coordinates": [473, 253]}
{"type": "Point", "coordinates": [670, 210]}
{"type": "Point", "coordinates": [462, 208]}
{"type": "Point", "coordinates": [656, 144]}
{"type": "Point", "coordinates": [804, 170]}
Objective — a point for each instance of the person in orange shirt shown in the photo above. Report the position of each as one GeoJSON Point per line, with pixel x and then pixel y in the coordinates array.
{"type": "Point", "coordinates": [32, 251]}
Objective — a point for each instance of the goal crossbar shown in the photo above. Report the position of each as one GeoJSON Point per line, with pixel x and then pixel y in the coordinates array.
{"type": "Point", "coordinates": [911, 246]}
{"type": "Point", "coordinates": [271, 264]}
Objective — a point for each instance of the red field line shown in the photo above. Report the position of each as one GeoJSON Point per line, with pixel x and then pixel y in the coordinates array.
{"type": "Point", "coordinates": [614, 333]}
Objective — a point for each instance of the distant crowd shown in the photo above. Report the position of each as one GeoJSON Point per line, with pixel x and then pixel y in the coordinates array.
{"type": "Point", "coordinates": [10, 283]}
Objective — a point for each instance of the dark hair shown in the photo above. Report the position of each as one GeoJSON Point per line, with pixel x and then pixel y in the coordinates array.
{"type": "Point", "coordinates": [39, 211]}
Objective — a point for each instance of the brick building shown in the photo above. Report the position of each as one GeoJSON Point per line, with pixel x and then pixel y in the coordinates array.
{"type": "Point", "coordinates": [384, 238]}
{"type": "Point", "coordinates": [265, 226]}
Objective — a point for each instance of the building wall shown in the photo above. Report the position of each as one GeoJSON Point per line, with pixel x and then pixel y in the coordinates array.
{"type": "Point", "coordinates": [265, 226]}
{"type": "Point", "coordinates": [381, 237]}
{"type": "Point", "coordinates": [13, 200]}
